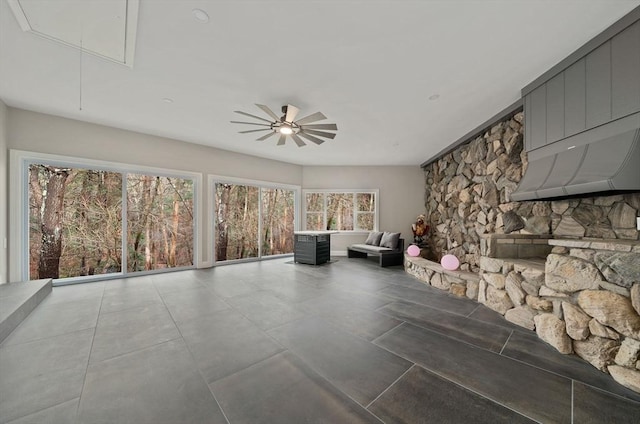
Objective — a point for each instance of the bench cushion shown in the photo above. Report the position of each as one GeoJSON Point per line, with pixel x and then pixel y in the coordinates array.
{"type": "Point", "coordinates": [374, 238]}
{"type": "Point", "coordinates": [370, 248]}
{"type": "Point", "coordinates": [389, 240]}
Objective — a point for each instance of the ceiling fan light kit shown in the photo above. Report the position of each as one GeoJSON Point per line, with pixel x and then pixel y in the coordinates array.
{"type": "Point", "coordinates": [287, 126]}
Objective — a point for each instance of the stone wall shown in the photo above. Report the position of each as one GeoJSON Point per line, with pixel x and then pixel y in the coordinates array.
{"type": "Point", "coordinates": [468, 195]}
{"type": "Point", "coordinates": [584, 299]}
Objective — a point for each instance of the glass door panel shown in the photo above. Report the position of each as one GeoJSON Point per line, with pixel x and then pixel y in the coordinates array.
{"type": "Point", "coordinates": [278, 213]}
{"type": "Point", "coordinates": [159, 222]}
{"type": "Point", "coordinates": [236, 221]}
{"type": "Point", "coordinates": [75, 222]}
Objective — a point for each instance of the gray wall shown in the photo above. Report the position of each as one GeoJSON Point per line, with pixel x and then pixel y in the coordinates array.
{"type": "Point", "coordinates": [401, 195]}
{"type": "Point", "coordinates": [4, 201]}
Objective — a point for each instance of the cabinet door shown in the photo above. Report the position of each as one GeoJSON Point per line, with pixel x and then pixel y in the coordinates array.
{"type": "Point", "coordinates": [555, 108]}
{"type": "Point", "coordinates": [538, 117]}
{"type": "Point", "coordinates": [625, 72]}
{"type": "Point", "coordinates": [599, 85]}
{"type": "Point", "coordinates": [574, 98]}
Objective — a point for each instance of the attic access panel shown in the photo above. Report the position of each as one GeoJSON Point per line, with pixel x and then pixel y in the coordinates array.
{"type": "Point", "coordinates": [104, 28]}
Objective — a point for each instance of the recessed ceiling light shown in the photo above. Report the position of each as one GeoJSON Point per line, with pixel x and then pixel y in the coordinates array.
{"type": "Point", "coordinates": [571, 147]}
{"type": "Point", "coordinates": [167, 100]}
{"type": "Point", "coordinates": [200, 15]}
{"type": "Point", "coordinates": [434, 97]}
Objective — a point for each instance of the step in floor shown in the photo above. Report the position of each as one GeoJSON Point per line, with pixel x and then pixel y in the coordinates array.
{"type": "Point", "coordinates": [17, 300]}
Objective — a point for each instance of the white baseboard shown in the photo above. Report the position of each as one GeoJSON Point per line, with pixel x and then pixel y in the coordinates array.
{"type": "Point", "coordinates": [338, 253]}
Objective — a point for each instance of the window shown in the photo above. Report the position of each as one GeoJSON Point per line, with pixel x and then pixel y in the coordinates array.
{"type": "Point", "coordinates": [347, 210]}
{"type": "Point", "coordinates": [86, 219]}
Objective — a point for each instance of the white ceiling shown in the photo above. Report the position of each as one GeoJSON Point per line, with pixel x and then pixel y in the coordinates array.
{"type": "Point", "coordinates": [369, 66]}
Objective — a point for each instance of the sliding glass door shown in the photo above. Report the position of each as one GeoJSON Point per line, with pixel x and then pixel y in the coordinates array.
{"type": "Point", "coordinates": [252, 221]}
{"type": "Point", "coordinates": [86, 222]}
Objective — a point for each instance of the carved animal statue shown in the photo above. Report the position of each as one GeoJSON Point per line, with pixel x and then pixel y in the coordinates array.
{"type": "Point", "coordinates": [420, 229]}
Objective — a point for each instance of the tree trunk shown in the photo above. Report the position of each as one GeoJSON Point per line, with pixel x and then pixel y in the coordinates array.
{"type": "Point", "coordinates": [175, 224]}
{"type": "Point", "coordinates": [51, 226]}
{"type": "Point", "coordinates": [222, 238]}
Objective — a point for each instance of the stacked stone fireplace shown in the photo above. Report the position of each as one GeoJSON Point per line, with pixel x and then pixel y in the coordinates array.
{"type": "Point", "coordinates": [567, 269]}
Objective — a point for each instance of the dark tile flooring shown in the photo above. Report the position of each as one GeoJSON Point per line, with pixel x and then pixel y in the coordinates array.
{"type": "Point", "coordinates": [275, 342]}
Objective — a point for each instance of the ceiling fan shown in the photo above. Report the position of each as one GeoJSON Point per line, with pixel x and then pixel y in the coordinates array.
{"type": "Point", "coordinates": [288, 126]}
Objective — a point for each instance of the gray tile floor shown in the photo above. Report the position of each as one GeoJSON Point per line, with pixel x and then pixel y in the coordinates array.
{"type": "Point", "coordinates": [274, 342]}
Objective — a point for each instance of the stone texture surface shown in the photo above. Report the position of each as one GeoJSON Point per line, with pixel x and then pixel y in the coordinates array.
{"type": "Point", "coordinates": [459, 290]}
{"type": "Point", "coordinates": [522, 316]}
{"type": "Point", "coordinates": [569, 227]}
{"type": "Point", "coordinates": [627, 355]}
{"type": "Point", "coordinates": [490, 264]}
{"type": "Point", "coordinates": [600, 330]}
{"type": "Point", "coordinates": [495, 280]}
{"type": "Point", "coordinates": [568, 274]}
{"type": "Point", "coordinates": [619, 268]}
{"type": "Point", "coordinates": [533, 276]}
{"type": "Point", "coordinates": [622, 216]}
{"type": "Point", "coordinates": [472, 289]}
{"type": "Point", "coordinates": [577, 321]}
{"type": "Point", "coordinates": [547, 292]}
{"type": "Point", "coordinates": [498, 300]}
{"type": "Point", "coordinates": [512, 222]}
{"type": "Point", "coordinates": [635, 297]}
{"type": "Point", "coordinates": [597, 351]}
{"type": "Point", "coordinates": [625, 376]}
{"type": "Point", "coordinates": [539, 304]}
{"type": "Point", "coordinates": [514, 289]}
{"type": "Point", "coordinates": [612, 310]}
{"type": "Point", "coordinates": [551, 329]}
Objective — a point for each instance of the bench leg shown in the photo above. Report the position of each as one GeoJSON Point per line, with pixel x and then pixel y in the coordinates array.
{"type": "Point", "coordinates": [355, 254]}
{"type": "Point", "coordinates": [392, 259]}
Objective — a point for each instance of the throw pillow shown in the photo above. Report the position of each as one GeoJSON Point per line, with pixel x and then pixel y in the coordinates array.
{"type": "Point", "coordinates": [390, 240]}
{"type": "Point", "coordinates": [374, 238]}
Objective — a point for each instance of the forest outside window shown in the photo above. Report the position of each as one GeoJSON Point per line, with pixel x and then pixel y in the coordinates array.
{"type": "Point", "coordinates": [81, 224]}
{"type": "Point", "coordinates": [341, 210]}
{"type": "Point", "coordinates": [253, 221]}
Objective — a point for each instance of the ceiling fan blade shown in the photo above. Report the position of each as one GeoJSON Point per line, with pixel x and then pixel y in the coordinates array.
{"type": "Point", "coordinates": [319, 133]}
{"type": "Point", "coordinates": [250, 123]}
{"type": "Point", "coordinates": [282, 139]}
{"type": "Point", "coordinates": [250, 131]}
{"type": "Point", "coordinates": [269, 112]}
{"type": "Point", "coordinates": [264, 137]}
{"type": "Point", "coordinates": [311, 138]}
{"type": "Point", "coordinates": [320, 126]}
{"type": "Point", "coordinates": [292, 111]}
{"type": "Point", "coordinates": [298, 140]}
{"type": "Point", "coordinates": [318, 116]}
{"type": "Point", "coordinates": [253, 116]}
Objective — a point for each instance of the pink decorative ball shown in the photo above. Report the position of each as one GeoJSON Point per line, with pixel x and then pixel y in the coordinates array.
{"type": "Point", "coordinates": [450, 262]}
{"type": "Point", "coordinates": [413, 250]}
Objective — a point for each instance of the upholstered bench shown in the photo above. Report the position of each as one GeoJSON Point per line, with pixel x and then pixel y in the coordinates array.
{"type": "Point", "coordinates": [378, 244]}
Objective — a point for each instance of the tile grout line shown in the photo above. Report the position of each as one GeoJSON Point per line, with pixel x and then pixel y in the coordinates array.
{"type": "Point", "coordinates": [572, 399]}
{"type": "Point", "coordinates": [505, 343]}
{"type": "Point", "coordinates": [391, 385]}
{"type": "Point", "coordinates": [462, 386]}
{"type": "Point", "coordinates": [387, 332]}
{"type": "Point", "coordinates": [193, 359]}
{"type": "Point", "coordinates": [93, 339]}
{"type": "Point", "coordinates": [474, 309]}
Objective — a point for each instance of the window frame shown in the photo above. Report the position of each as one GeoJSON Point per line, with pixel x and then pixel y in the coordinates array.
{"type": "Point", "coordinates": [354, 193]}
{"type": "Point", "coordinates": [19, 216]}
